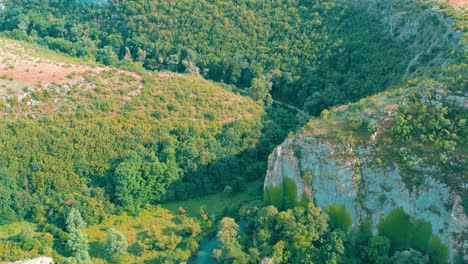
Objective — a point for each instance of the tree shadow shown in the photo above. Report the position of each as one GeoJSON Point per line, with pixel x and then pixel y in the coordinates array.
{"type": "Point", "coordinates": [235, 171]}
{"type": "Point", "coordinates": [97, 250]}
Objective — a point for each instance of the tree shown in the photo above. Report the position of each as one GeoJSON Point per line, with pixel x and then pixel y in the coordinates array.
{"type": "Point", "coordinates": [438, 251]}
{"type": "Point", "coordinates": [260, 90]}
{"type": "Point", "coordinates": [379, 248]}
{"type": "Point", "coordinates": [231, 250]}
{"type": "Point", "coordinates": [340, 217]}
{"type": "Point", "coordinates": [410, 256]}
{"type": "Point", "coordinates": [228, 230]}
{"type": "Point", "coordinates": [77, 238]}
{"type": "Point", "coordinates": [116, 245]}
{"type": "Point", "coordinates": [107, 56]}
{"type": "Point", "coordinates": [397, 227]}
{"type": "Point", "coordinates": [75, 221]}
{"type": "Point", "coordinates": [8, 188]}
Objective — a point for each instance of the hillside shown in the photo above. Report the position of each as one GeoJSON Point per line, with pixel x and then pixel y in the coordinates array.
{"type": "Point", "coordinates": [397, 158]}
{"type": "Point", "coordinates": [141, 131]}
{"type": "Point", "coordinates": [77, 134]}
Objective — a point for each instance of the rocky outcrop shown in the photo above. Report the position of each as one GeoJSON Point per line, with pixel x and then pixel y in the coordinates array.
{"type": "Point", "coordinates": [428, 33]}
{"type": "Point", "coordinates": [367, 193]}
{"type": "Point", "coordinates": [40, 260]}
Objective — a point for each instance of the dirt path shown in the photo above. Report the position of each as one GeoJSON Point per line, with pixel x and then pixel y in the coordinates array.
{"type": "Point", "coordinates": [293, 108]}
{"type": "Point", "coordinates": [459, 3]}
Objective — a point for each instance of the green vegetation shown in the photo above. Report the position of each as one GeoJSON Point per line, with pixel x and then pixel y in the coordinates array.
{"type": "Point", "coordinates": [404, 233]}
{"type": "Point", "coordinates": [397, 227]}
{"type": "Point", "coordinates": [106, 146]}
{"type": "Point", "coordinates": [307, 53]}
{"type": "Point", "coordinates": [274, 195]}
{"type": "Point", "coordinates": [292, 235]}
{"type": "Point", "coordinates": [289, 193]}
{"type": "Point", "coordinates": [116, 245]}
{"type": "Point", "coordinates": [285, 196]}
{"type": "Point", "coordinates": [297, 235]}
{"type": "Point", "coordinates": [123, 151]}
{"type": "Point", "coordinates": [218, 204]}
{"type": "Point", "coordinates": [20, 241]}
{"type": "Point", "coordinates": [77, 238]}
{"type": "Point", "coordinates": [339, 217]}
{"type": "Point", "coordinates": [156, 234]}
{"type": "Point", "coordinates": [438, 251]}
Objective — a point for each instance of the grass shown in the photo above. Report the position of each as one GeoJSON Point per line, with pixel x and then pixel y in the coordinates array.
{"type": "Point", "coordinates": [39, 53]}
{"type": "Point", "coordinates": [161, 221]}
{"type": "Point", "coordinates": [11, 230]}
{"type": "Point", "coordinates": [217, 203]}
{"type": "Point", "coordinates": [157, 221]}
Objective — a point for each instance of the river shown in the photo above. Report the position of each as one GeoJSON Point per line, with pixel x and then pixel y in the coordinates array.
{"type": "Point", "coordinates": [205, 254]}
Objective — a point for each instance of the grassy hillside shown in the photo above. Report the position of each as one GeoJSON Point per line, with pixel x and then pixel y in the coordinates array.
{"type": "Point", "coordinates": [67, 126]}
{"type": "Point", "coordinates": [308, 53]}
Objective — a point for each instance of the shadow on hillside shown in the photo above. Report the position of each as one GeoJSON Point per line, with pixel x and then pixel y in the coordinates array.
{"type": "Point", "coordinates": [231, 174]}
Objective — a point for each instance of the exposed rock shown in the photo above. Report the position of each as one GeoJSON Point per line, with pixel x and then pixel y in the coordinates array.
{"type": "Point", "coordinates": [40, 260]}
{"type": "Point", "coordinates": [372, 195]}
{"type": "Point", "coordinates": [428, 34]}
{"type": "Point", "coordinates": [349, 175]}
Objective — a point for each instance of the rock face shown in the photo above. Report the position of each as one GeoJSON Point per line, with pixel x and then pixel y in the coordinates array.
{"type": "Point", "coordinates": [41, 260]}
{"type": "Point", "coordinates": [428, 34]}
{"type": "Point", "coordinates": [367, 193]}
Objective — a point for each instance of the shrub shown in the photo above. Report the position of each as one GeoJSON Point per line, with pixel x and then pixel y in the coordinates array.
{"type": "Point", "coordinates": [397, 227]}
{"type": "Point", "coordinates": [289, 193]}
{"type": "Point", "coordinates": [339, 217]}
{"type": "Point", "coordinates": [438, 251]}
{"type": "Point", "coordinates": [355, 123]}
{"type": "Point", "coordinates": [274, 195]}
{"type": "Point", "coordinates": [116, 245]}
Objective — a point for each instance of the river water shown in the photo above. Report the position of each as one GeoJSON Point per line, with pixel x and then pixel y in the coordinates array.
{"type": "Point", "coordinates": [205, 254]}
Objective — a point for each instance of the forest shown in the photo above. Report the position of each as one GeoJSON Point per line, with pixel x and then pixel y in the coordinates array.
{"type": "Point", "coordinates": [103, 159]}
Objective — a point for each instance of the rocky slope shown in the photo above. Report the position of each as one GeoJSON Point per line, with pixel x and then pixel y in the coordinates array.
{"type": "Point", "coordinates": [358, 157]}
{"type": "Point", "coordinates": [353, 167]}
{"type": "Point", "coordinates": [429, 33]}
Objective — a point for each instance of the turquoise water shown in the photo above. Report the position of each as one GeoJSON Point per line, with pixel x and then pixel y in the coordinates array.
{"type": "Point", "coordinates": [204, 256]}
{"type": "Point", "coordinates": [96, 2]}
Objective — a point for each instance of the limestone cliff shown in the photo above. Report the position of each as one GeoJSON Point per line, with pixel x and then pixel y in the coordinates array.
{"type": "Point", "coordinates": [355, 170]}
{"type": "Point", "coordinates": [428, 33]}
{"type": "Point", "coordinates": [40, 260]}
{"type": "Point", "coordinates": [402, 148]}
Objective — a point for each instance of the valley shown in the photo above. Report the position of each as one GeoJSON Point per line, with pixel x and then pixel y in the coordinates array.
{"type": "Point", "coordinates": [157, 131]}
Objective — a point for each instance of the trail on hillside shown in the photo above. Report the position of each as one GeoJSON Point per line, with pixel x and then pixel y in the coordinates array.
{"type": "Point", "coordinates": [293, 108]}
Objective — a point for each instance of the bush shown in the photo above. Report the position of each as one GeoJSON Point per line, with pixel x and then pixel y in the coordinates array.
{"type": "Point", "coordinates": [339, 217]}
{"type": "Point", "coordinates": [289, 193]}
{"type": "Point", "coordinates": [438, 251]}
{"type": "Point", "coordinates": [273, 195]}
{"type": "Point", "coordinates": [116, 245]}
{"type": "Point", "coordinates": [397, 227]}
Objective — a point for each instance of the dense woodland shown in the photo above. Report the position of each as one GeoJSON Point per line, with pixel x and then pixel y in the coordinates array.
{"type": "Point", "coordinates": [306, 234]}
{"type": "Point", "coordinates": [62, 171]}
{"type": "Point", "coordinates": [309, 53]}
